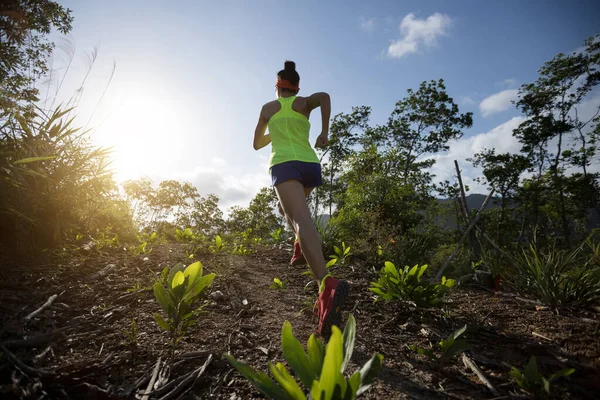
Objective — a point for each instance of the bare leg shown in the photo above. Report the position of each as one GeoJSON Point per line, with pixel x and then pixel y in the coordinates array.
{"type": "Point", "coordinates": [290, 223]}
{"type": "Point", "coordinates": [292, 197]}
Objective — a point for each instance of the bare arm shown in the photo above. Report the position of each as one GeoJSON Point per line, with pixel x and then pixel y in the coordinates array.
{"type": "Point", "coordinates": [260, 139]}
{"type": "Point", "coordinates": [322, 100]}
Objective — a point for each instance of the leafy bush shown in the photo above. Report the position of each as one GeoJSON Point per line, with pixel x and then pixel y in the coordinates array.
{"type": "Point", "coordinates": [340, 256]}
{"type": "Point", "coordinates": [321, 370]}
{"type": "Point", "coordinates": [176, 292]}
{"type": "Point", "coordinates": [531, 380]}
{"type": "Point", "coordinates": [450, 347]}
{"type": "Point", "coordinates": [217, 245]}
{"type": "Point", "coordinates": [185, 236]}
{"type": "Point", "coordinates": [406, 284]}
{"type": "Point", "coordinates": [276, 235]}
{"type": "Point", "coordinates": [556, 277]}
{"type": "Point", "coordinates": [53, 179]}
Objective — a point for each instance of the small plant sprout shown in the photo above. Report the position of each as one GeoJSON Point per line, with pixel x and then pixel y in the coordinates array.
{"type": "Point", "coordinates": [183, 287]}
{"type": "Point", "coordinates": [277, 284]}
{"type": "Point", "coordinates": [379, 251]}
{"type": "Point", "coordinates": [531, 379]}
{"type": "Point", "coordinates": [406, 284]}
{"type": "Point", "coordinates": [185, 236]}
{"type": "Point", "coordinates": [321, 371]}
{"type": "Point", "coordinates": [450, 347]}
{"type": "Point", "coordinates": [189, 255]}
{"type": "Point", "coordinates": [132, 337]}
{"type": "Point", "coordinates": [217, 245]}
{"type": "Point", "coordinates": [340, 257]}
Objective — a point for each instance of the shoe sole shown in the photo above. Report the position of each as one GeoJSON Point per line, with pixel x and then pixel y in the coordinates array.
{"type": "Point", "coordinates": [335, 316]}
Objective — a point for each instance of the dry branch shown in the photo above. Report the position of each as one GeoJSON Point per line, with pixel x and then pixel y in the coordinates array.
{"type": "Point", "coordinates": [464, 236]}
{"type": "Point", "coordinates": [152, 380]}
{"type": "Point", "coordinates": [470, 364]}
{"type": "Point", "coordinates": [46, 304]}
{"type": "Point", "coordinates": [190, 379]}
{"type": "Point", "coordinates": [24, 367]}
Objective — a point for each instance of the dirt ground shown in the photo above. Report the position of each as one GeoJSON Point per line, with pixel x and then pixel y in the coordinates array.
{"type": "Point", "coordinates": [85, 352]}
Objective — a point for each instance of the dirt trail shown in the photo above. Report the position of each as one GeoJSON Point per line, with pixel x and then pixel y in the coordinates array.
{"type": "Point", "coordinates": [92, 358]}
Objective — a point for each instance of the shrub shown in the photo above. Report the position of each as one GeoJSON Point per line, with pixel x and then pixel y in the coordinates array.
{"type": "Point", "coordinates": [407, 284]}
{"type": "Point", "coordinates": [321, 370]}
{"type": "Point", "coordinates": [176, 292]}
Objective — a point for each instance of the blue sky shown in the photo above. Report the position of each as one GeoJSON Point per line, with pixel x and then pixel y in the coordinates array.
{"type": "Point", "coordinates": [191, 76]}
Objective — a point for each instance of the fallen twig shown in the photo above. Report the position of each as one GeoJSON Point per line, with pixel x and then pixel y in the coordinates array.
{"type": "Point", "coordinates": [36, 341]}
{"type": "Point", "coordinates": [469, 363]}
{"type": "Point", "coordinates": [152, 380]}
{"type": "Point", "coordinates": [541, 336]}
{"type": "Point", "coordinates": [24, 367]}
{"type": "Point", "coordinates": [191, 378]}
{"type": "Point", "coordinates": [46, 304]}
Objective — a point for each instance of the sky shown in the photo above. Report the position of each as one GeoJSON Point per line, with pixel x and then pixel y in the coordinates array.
{"type": "Point", "coordinates": [191, 76]}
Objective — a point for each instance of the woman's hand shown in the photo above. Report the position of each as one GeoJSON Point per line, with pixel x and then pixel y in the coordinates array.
{"type": "Point", "coordinates": [322, 141]}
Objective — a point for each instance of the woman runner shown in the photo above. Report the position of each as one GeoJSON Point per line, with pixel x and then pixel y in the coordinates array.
{"type": "Point", "coordinates": [295, 171]}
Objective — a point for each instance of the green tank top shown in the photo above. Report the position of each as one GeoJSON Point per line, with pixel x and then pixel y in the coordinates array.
{"type": "Point", "coordinates": [289, 132]}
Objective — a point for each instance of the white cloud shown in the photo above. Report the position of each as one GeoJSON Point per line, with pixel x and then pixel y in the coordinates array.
{"type": "Point", "coordinates": [417, 33]}
{"type": "Point", "coordinates": [368, 24]}
{"type": "Point", "coordinates": [499, 138]}
{"type": "Point", "coordinates": [498, 102]}
{"type": "Point", "coordinates": [466, 100]}
{"type": "Point", "coordinates": [511, 82]}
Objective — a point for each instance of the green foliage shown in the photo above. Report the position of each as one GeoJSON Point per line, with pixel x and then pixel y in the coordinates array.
{"type": "Point", "coordinates": [176, 292]}
{"type": "Point", "coordinates": [241, 250]}
{"type": "Point", "coordinates": [406, 284]}
{"type": "Point", "coordinates": [278, 284]}
{"type": "Point", "coordinates": [276, 235]}
{"type": "Point", "coordinates": [217, 245]}
{"type": "Point", "coordinates": [144, 247]}
{"type": "Point", "coordinates": [53, 179]}
{"type": "Point", "coordinates": [556, 277]}
{"type": "Point", "coordinates": [185, 236]}
{"type": "Point", "coordinates": [340, 257]}
{"type": "Point", "coordinates": [449, 347]}
{"type": "Point", "coordinates": [132, 333]}
{"type": "Point", "coordinates": [321, 370]}
{"type": "Point", "coordinates": [25, 50]}
{"type": "Point", "coordinates": [533, 381]}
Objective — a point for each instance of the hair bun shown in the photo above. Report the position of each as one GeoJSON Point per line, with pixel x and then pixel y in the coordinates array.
{"type": "Point", "coordinates": [289, 66]}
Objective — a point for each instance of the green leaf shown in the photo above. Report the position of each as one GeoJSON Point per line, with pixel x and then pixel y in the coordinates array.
{"type": "Point", "coordinates": [353, 386]}
{"type": "Point", "coordinates": [285, 380]}
{"type": "Point", "coordinates": [348, 340]}
{"type": "Point", "coordinates": [332, 365]}
{"type": "Point", "coordinates": [316, 354]}
{"type": "Point", "coordinates": [178, 280]}
{"type": "Point", "coordinates": [458, 347]}
{"type": "Point", "coordinates": [172, 272]}
{"type": "Point", "coordinates": [422, 351]}
{"type": "Point", "coordinates": [459, 332]}
{"type": "Point", "coordinates": [218, 241]}
{"type": "Point", "coordinates": [561, 373]}
{"type": "Point", "coordinates": [532, 373]}
{"type": "Point", "coordinates": [200, 285]}
{"type": "Point", "coordinates": [337, 251]}
{"type": "Point", "coordinates": [260, 380]}
{"type": "Point", "coordinates": [346, 251]}
{"type": "Point", "coordinates": [295, 355]}
{"type": "Point", "coordinates": [161, 322]}
{"type": "Point", "coordinates": [422, 271]}
{"type": "Point", "coordinates": [163, 298]}
{"type": "Point", "coordinates": [193, 272]}
{"type": "Point", "coordinates": [368, 373]}
{"type": "Point", "coordinates": [331, 263]}
{"type": "Point", "coordinates": [33, 159]}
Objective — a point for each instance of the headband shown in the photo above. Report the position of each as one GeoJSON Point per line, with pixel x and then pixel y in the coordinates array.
{"type": "Point", "coordinates": [285, 84]}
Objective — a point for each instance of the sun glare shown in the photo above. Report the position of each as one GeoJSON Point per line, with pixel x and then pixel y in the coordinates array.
{"type": "Point", "coordinates": [146, 135]}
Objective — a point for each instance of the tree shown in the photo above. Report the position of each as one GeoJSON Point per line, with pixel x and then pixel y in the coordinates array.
{"type": "Point", "coordinates": [502, 171]}
{"type": "Point", "coordinates": [24, 48]}
{"type": "Point", "coordinates": [551, 107]}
